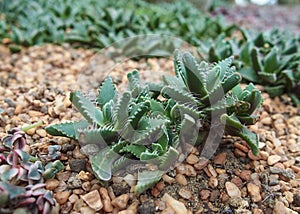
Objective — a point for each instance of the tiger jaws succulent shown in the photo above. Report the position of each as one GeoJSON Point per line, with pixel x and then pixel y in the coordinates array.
{"type": "Point", "coordinates": [270, 59]}
{"type": "Point", "coordinates": [150, 124]}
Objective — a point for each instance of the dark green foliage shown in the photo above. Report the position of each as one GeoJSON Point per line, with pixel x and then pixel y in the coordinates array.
{"type": "Point", "coordinates": [139, 125]}
{"type": "Point", "coordinates": [214, 90]}
{"type": "Point", "coordinates": [22, 176]}
{"type": "Point", "coordinates": [98, 24]}
{"type": "Point", "coordinates": [132, 124]}
{"type": "Point", "coordinates": [270, 59]}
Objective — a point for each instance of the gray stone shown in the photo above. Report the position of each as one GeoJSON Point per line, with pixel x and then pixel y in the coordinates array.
{"type": "Point", "coordinates": [273, 180]}
{"type": "Point", "coordinates": [287, 173]}
{"type": "Point", "coordinates": [78, 165]}
{"type": "Point", "coordinates": [120, 188]}
{"type": "Point", "coordinates": [67, 147]}
{"type": "Point", "coordinates": [296, 201]}
{"type": "Point", "coordinates": [74, 182]}
{"type": "Point", "coordinates": [10, 102]}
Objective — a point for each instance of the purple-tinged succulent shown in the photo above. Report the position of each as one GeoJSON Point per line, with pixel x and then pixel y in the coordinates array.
{"type": "Point", "coordinates": [22, 184]}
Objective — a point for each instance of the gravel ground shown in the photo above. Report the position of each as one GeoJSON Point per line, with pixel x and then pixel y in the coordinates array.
{"type": "Point", "coordinates": [263, 18]}
{"type": "Point", "coordinates": [35, 85]}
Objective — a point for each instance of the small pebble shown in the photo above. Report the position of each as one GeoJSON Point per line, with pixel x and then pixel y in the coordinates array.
{"type": "Point", "coordinates": [78, 204]}
{"type": "Point", "coordinates": [239, 153]}
{"type": "Point", "coordinates": [93, 200]}
{"type": "Point", "coordinates": [212, 170]}
{"type": "Point", "coordinates": [176, 205]}
{"type": "Point", "coordinates": [168, 179]}
{"type": "Point", "coordinates": [41, 132]}
{"type": "Point", "coordinates": [220, 158]}
{"type": "Point", "coordinates": [296, 200]}
{"type": "Point", "coordinates": [77, 165]}
{"type": "Point", "coordinates": [232, 189]}
{"type": "Point", "coordinates": [241, 147]}
{"type": "Point", "coordinates": [121, 201]}
{"type": "Point", "coordinates": [213, 182]}
{"type": "Point", "coordinates": [245, 175]}
{"type": "Point", "coordinates": [185, 193]}
{"type": "Point", "coordinates": [204, 194]}
{"type": "Point", "coordinates": [279, 208]}
{"type": "Point", "coordinates": [62, 197]}
{"type": "Point", "coordinates": [257, 211]}
{"type": "Point", "coordinates": [126, 212]}
{"type": "Point", "coordinates": [266, 121]}
{"type": "Point", "coordinates": [67, 147]}
{"type": "Point", "coordinates": [181, 179]}
{"type": "Point", "coordinates": [254, 192]}
{"type": "Point", "coordinates": [107, 206]}
{"type": "Point", "coordinates": [273, 159]}
{"type": "Point", "coordinates": [160, 185]}
{"type": "Point", "coordinates": [51, 184]}
{"type": "Point", "coordinates": [73, 198]}
{"type": "Point", "coordinates": [85, 176]}
{"type": "Point", "coordinates": [289, 196]}
{"type": "Point", "coordinates": [214, 195]}
{"type": "Point", "coordinates": [33, 113]}
{"type": "Point", "coordinates": [74, 182]}
{"type": "Point", "coordinates": [192, 159]}
{"type": "Point", "coordinates": [273, 179]}
{"type": "Point", "coordinates": [86, 186]}
{"type": "Point", "coordinates": [87, 210]}
{"type": "Point", "coordinates": [203, 162]}
{"type": "Point", "coordinates": [63, 176]}
{"type": "Point", "coordinates": [190, 171]}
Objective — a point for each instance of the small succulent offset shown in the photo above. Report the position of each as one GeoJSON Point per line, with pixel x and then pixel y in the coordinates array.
{"type": "Point", "coordinates": [214, 91]}
{"type": "Point", "coordinates": [150, 123]}
{"type": "Point", "coordinates": [22, 184]}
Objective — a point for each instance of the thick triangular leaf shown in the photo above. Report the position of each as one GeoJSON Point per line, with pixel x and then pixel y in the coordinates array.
{"type": "Point", "coordinates": [234, 126]}
{"type": "Point", "coordinates": [120, 115]}
{"type": "Point", "coordinates": [67, 129]}
{"type": "Point", "coordinates": [107, 92]}
{"type": "Point", "coordinates": [270, 62]}
{"type": "Point", "coordinates": [168, 159]}
{"type": "Point", "coordinates": [102, 163]}
{"type": "Point", "coordinates": [147, 179]}
{"type": "Point", "coordinates": [86, 108]}
{"type": "Point", "coordinates": [249, 74]}
{"type": "Point", "coordinates": [195, 80]}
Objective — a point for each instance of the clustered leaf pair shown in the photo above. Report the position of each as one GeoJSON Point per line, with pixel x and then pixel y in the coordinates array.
{"type": "Point", "coordinates": [151, 123]}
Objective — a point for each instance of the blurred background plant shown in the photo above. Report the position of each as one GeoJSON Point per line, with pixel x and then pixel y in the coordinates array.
{"type": "Point", "coordinates": [99, 23]}
{"type": "Point", "coordinates": [271, 59]}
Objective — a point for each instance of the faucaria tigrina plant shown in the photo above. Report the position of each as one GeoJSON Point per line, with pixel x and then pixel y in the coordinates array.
{"type": "Point", "coordinates": [150, 122]}
{"type": "Point", "coordinates": [270, 59]}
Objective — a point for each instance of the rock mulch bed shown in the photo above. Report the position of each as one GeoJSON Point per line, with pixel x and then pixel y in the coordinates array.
{"type": "Point", "coordinates": [263, 18]}
{"type": "Point", "coordinates": [35, 85]}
